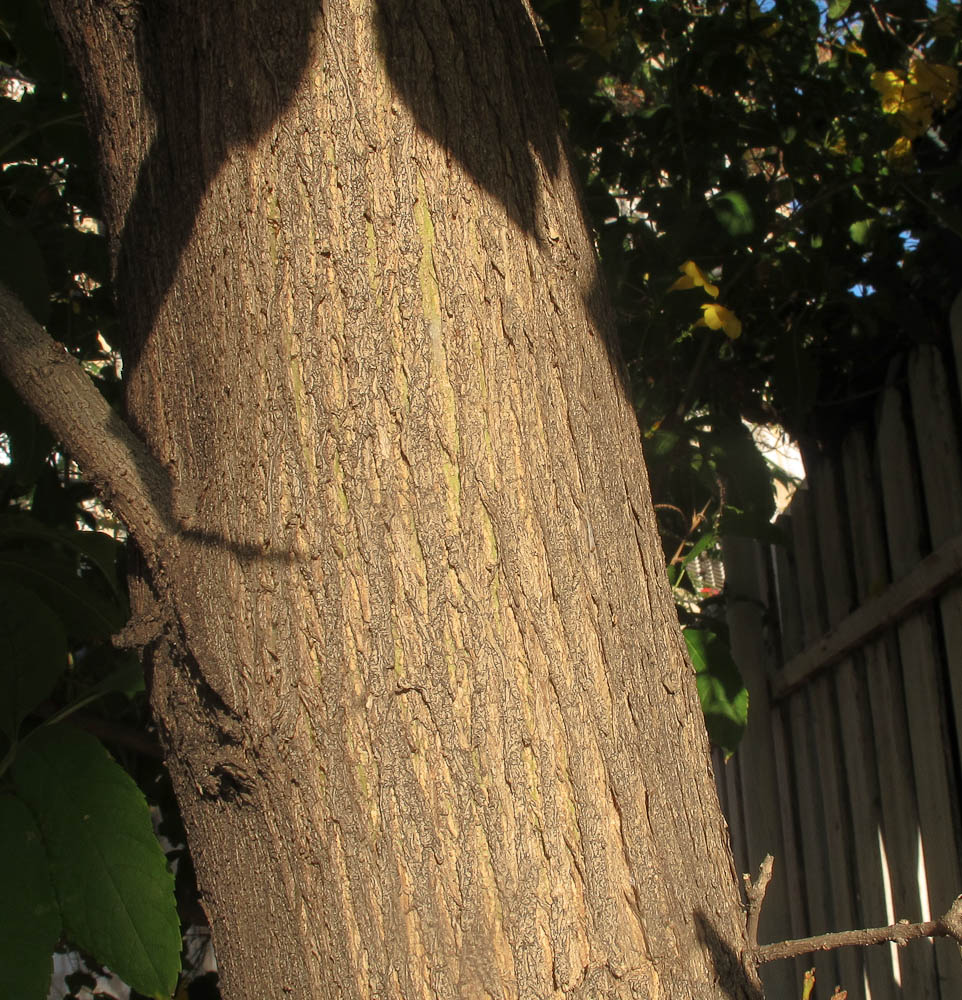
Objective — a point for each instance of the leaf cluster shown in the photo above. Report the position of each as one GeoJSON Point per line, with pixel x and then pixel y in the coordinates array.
{"type": "Point", "coordinates": [798, 163]}
{"type": "Point", "coordinates": [754, 141]}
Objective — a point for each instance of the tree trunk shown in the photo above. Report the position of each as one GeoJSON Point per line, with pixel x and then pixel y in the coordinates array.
{"type": "Point", "coordinates": [421, 685]}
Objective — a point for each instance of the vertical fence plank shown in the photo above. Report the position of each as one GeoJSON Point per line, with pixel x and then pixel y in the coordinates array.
{"type": "Point", "coordinates": [898, 820]}
{"type": "Point", "coordinates": [861, 777]}
{"type": "Point", "coordinates": [791, 793]}
{"type": "Point", "coordinates": [793, 873]}
{"type": "Point", "coordinates": [941, 464]}
{"type": "Point", "coordinates": [825, 741]}
{"type": "Point", "coordinates": [813, 745]}
{"type": "Point", "coordinates": [920, 656]}
{"type": "Point", "coordinates": [786, 592]}
{"type": "Point", "coordinates": [748, 600]}
{"type": "Point", "coordinates": [735, 792]}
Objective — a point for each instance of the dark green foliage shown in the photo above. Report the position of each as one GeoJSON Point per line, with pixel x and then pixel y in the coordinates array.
{"type": "Point", "coordinates": [724, 699]}
{"type": "Point", "coordinates": [752, 139]}
{"type": "Point", "coordinates": [30, 927]}
{"type": "Point", "coordinates": [78, 847]}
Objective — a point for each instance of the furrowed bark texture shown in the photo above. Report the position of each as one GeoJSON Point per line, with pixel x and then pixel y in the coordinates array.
{"type": "Point", "coordinates": [425, 702]}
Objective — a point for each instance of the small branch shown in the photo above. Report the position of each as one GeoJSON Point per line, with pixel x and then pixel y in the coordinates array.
{"type": "Point", "coordinates": [949, 925]}
{"type": "Point", "coordinates": [696, 520]}
{"type": "Point", "coordinates": [755, 894]}
{"type": "Point", "coordinates": [61, 394]}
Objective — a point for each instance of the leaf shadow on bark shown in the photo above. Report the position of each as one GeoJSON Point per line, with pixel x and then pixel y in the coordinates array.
{"type": "Point", "coordinates": [733, 976]}
{"type": "Point", "coordinates": [253, 56]}
{"type": "Point", "coordinates": [465, 73]}
{"type": "Point", "coordinates": [475, 77]}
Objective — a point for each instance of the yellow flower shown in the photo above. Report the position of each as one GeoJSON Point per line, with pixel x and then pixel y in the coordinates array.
{"type": "Point", "coordinates": [717, 317]}
{"type": "Point", "coordinates": [900, 154]}
{"type": "Point", "coordinates": [694, 277]}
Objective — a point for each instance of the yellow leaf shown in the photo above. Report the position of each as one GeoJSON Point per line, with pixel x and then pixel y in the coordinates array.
{"type": "Point", "coordinates": [889, 83]}
{"type": "Point", "coordinates": [900, 154]}
{"type": "Point", "coordinates": [916, 97]}
{"type": "Point", "coordinates": [940, 83]}
{"type": "Point", "coordinates": [694, 277]}
{"type": "Point", "coordinates": [717, 317]}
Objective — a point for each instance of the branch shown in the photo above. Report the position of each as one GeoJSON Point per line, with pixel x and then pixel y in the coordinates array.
{"type": "Point", "coordinates": [949, 925]}
{"type": "Point", "coordinates": [54, 385]}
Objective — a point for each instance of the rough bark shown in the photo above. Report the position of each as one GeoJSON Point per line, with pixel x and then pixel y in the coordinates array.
{"type": "Point", "coordinates": [421, 689]}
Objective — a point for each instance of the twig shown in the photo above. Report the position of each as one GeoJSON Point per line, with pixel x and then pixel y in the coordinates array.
{"type": "Point", "coordinates": [696, 520]}
{"type": "Point", "coordinates": [949, 925]}
{"type": "Point", "coordinates": [755, 894]}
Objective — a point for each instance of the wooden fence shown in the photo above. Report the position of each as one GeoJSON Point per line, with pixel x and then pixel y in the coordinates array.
{"type": "Point", "coordinates": [850, 642]}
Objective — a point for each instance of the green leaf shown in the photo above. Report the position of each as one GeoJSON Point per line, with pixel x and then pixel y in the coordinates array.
{"type": "Point", "coordinates": [33, 654]}
{"type": "Point", "coordinates": [127, 678]}
{"type": "Point", "coordinates": [837, 8]}
{"type": "Point", "coordinates": [660, 443]}
{"type": "Point", "coordinates": [30, 919]}
{"type": "Point", "coordinates": [705, 542]}
{"type": "Point", "coordinates": [724, 698]}
{"type": "Point", "coordinates": [116, 893]}
{"type": "Point", "coordinates": [85, 612]}
{"type": "Point", "coordinates": [861, 231]}
{"type": "Point", "coordinates": [734, 213]}
{"type": "Point", "coordinates": [100, 550]}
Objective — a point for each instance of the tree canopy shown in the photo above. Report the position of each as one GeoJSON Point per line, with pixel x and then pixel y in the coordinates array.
{"type": "Point", "coordinates": [776, 193]}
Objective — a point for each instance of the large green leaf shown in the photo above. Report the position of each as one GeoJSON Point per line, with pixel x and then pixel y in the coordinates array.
{"type": "Point", "coordinates": [33, 654]}
{"type": "Point", "coordinates": [724, 697]}
{"type": "Point", "coordinates": [116, 893]}
{"type": "Point", "coordinates": [734, 213]}
{"type": "Point", "coordinates": [85, 611]}
{"type": "Point", "coordinates": [97, 547]}
{"type": "Point", "coordinates": [30, 918]}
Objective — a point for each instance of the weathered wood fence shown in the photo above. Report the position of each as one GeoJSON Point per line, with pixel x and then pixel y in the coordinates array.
{"type": "Point", "coordinates": [850, 641]}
